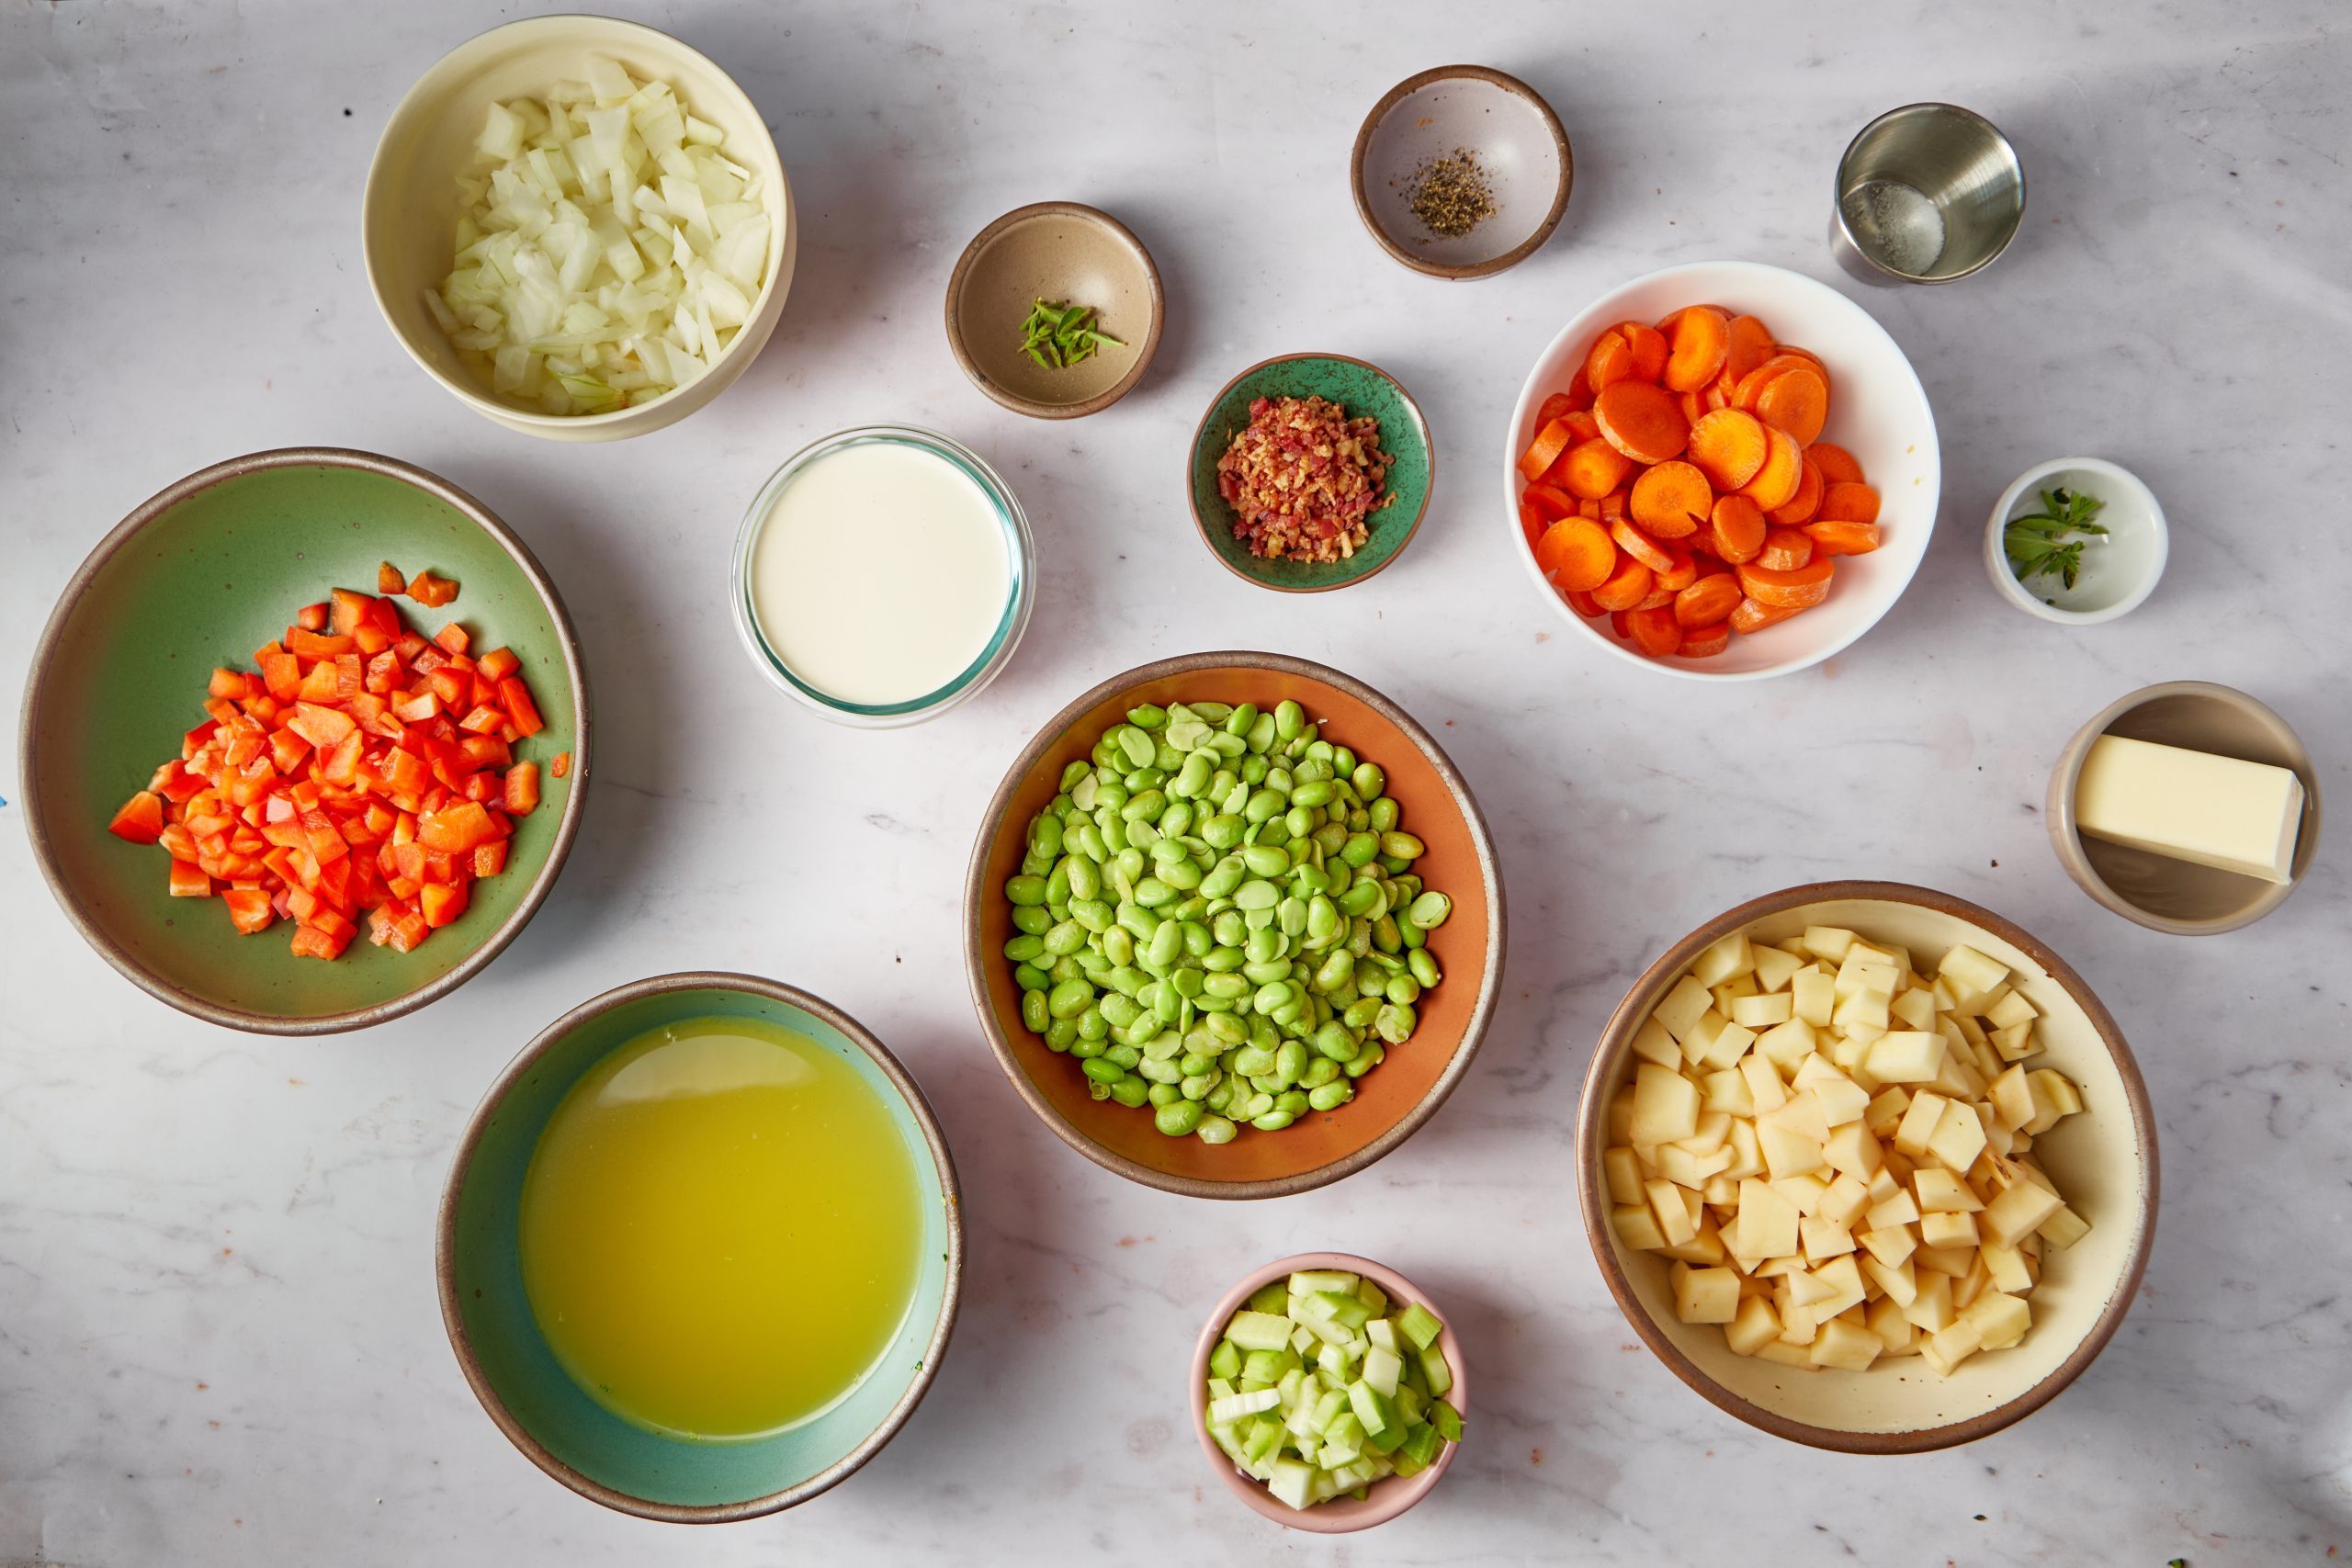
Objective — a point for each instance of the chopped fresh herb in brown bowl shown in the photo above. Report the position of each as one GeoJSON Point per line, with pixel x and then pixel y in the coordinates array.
{"type": "Point", "coordinates": [1054, 309]}
{"type": "Point", "coordinates": [1311, 471]}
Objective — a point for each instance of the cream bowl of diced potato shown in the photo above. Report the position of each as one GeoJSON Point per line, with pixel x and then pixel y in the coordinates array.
{"type": "Point", "coordinates": [1869, 1167]}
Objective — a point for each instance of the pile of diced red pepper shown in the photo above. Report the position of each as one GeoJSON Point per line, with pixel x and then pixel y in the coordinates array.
{"type": "Point", "coordinates": [364, 770]}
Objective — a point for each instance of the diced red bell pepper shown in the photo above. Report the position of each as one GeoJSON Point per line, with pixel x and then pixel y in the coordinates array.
{"type": "Point", "coordinates": [456, 829]}
{"type": "Point", "coordinates": [430, 590]}
{"type": "Point", "coordinates": [490, 859]}
{"type": "Point", "coordinates": [140, 820]}
{"type": "Point", "coordinates": [389, 580]}
{"type": "Point", "coordinates": [282, 673]}
{"type": "Point", "coordinates": [310, 942]}
{"type": "Point", "coordinates": [348, 606]}
{"type": "Point", "coordinates": [249, 909]}
{"type": "Point", "coordinates": [498, 663]}
{"type": "Point", "coordinates": [320, 726]}
{"type": "Point", "coordinates": [522, 788]}
{"type": "Point", "coordinates": [561, 766]}
{"type": "Point", "coordinates": [188, 881]}
{"type": "Point", "coordinates": [452, 638]}
{"type": "Point", "coordinates": [232, 684]}
{"type": "Point", "coordinates": [312, 618]}
{"type": "Point", "coordinates": [441, 902]}
{"type": "Point", "coordinates": [520, 708]}
{"type": "Point", "coordinates": [307, 643]}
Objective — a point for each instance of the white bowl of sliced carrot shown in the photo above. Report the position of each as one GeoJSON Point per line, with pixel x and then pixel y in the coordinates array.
{"type": "Point", "coordinates": [1724, 471]}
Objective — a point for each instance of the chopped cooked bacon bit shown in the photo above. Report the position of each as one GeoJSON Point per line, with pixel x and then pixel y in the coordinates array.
{"type": "Point", "coordinates": [1304, 480]}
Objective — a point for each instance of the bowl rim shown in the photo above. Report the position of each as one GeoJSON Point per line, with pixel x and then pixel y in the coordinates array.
{"type": "Point", "coordinates": [1376, 1509]}
{"type": "Point", "coordinates": [1004, 396]}
{"type": "Point", "coordinates": [494, 941]}
{"type": "Point", "coordinates": [1200, 434]}
{"type": "Point", "coordinates": [1844, 229]}
{"type": "Point", "coordinates": [976, 959]}
{"type": "Point", "coordinates": [1687, 670]}
{"type": "Point", "coordinates": [613, 422]}
{"type": "Point", "coordinates": [1463, 271]}
{"type": "Point", "coordinates": [2004, 579]}
{"type": "Point", "coordinates": [460, 1164]}
{"type": "Point", "coordinates": [1593, 1111]}
{"type": "Point", "coordinates": [2058, 809]}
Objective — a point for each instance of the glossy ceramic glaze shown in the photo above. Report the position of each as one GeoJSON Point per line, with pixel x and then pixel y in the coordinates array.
{"type": "Point", "coordinates": [203, 574]}
{"type": "Point", "coordinates": [2104, 1161]}
{"type": "Point", "coordinates": [1383, 1500]}
{"type": "Point", "coordinates": [506, 1360]}
{"type": "Point", "coordinates": [1064, 254]}
{"type": "Point", "coordinates": [1878, 411]}
{"type": "Point", "coordinates": [1361, 388]}
{"type": "Point", "coordinates": [409, 211]}
{"type": "Point", "coordinates": [1392, 1100]}
{"type": "Point", "coordinates": [1521, 149]}
{"type": "Point", "coordinates": [2157, 891]}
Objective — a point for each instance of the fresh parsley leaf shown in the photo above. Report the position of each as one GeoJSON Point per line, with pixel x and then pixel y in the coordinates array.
{"type": "Point", "coordinates": [2035, 543]}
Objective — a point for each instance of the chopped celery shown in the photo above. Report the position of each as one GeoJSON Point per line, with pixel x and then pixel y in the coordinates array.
{"type": "Point", "coordinates": [1270, 1299]}
{"type": "Point", "coordinates": [1224, 1362]}
{"type": "Point", "coordinates": [1266, 1437]}
{"type": "Point", "coordinates": [1373, 1408]}
{"type": "Point", "coordinates": [1258, 1331]}
{"type": "Point", "coordinates": [1420, 1326]}
{"type": "Point", "coordinates": [1266, 1367]}
{"type": "Point", "coordinates": [1420, 1444]}
{"type": "Point", "coordinates": [1381, 1333]}
{"type": "Point", "coordinates": [1374, 1299]}
{"type": "Point", "coordinates": [1333, 1307]}
{"type": "Point", "coordinates": [1233, 1407]}
{"type": "Point", "coordinates": [1380, 1370]}
{"type": "Point", "coordinates": [1447, 1420]}
{"type": "Point", "coordinates": [1309, 1281]}
{"type": "Point", "coordinates": [1440, 1375]}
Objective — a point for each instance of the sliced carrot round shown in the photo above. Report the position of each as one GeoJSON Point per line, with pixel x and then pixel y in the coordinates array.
{"type": "Point", "coordinates": [1626, 587]}
{"type": "Point", "coordinates": [1728, 445]}
{"type": "Point", "coordinates": [1754, 616]}
{"type": "Point", "coordinates": [1579, 392]}
{"type": "Point", "coordinates": [1698, 338]}
{"type": "Point", "coordinates": [1709, 600]}
{"type": "Point", "coordinates": [1796, 590]}
{"type": "Point", "coordinates": [1739, 528]}
{"type": "Point", "coordinates": [1704, 642]}
{"type": "Point", "coordinates": [1558, 405]}
{"type": "Point", "coordinates": [1671, 500]}
{"type": "Point", "coordinates": [1648, 348]}
{"type": "Point", "coordinates": [1577, 554]}
{"type": "Point", "coordinates": [1640, 545]}
{"type": "Point", "coordinates": [1777, 482]}
{"type": "Point", "coordinates": [1752, 385]}
{"type": "Point", "coordinates": [1656, 631]}
{"type": "Point", "coordinates": [1785, 549]}
{"type": "Point", "coordinates": [1642, 421]}
{"type": "Point", "coordinates": [1613, 507]}
{"type": "Point", "coordinates": [1551, 439]}
{"type": "Point", "coordinates": [1591, 469]}
{"type": "Point", "coordinates": [1796, 401]}
{"type": "Point", "coordinates": [1659, 598]}
{"type": "Point", "coordinates": [1749, 343]}
{"type": "Point", "coordinates": [1836, 463]}
{"type": "Point", "coordinates": [1801, 507]}
{"type": "Point", "coordinates": [1694, 405]}
{"type": "Point", "coordinates": [1620, 623]}
{"type": "Point", "coordinates": [1610, 361]}
{"type": "Point", "coordinates": [1552, 501]}
{"type": "Point", "coordinates": [1839, 537]}
{"type": "Point", "coordinates": [1581, 603]}
{"type": "Point", "coordinates": [1680, 571]}
{"type": "Point", "coordinates": [1848, 502]}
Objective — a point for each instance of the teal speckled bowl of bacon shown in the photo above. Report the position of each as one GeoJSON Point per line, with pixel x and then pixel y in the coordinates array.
{"type": "Point", "coordinates": [1311, 471]}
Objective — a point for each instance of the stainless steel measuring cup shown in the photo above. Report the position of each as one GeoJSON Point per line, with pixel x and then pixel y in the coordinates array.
{"type": "Point", "coordinates": [1925, 193]}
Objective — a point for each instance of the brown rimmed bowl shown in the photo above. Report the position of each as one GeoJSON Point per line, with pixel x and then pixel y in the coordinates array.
{"type": "Point", "coordinates": [1364, 390]}
{"type": "Point", "coordinates": [478, 1271]}
{"type": "Point", "coordinates": [1383, 1499]}
{"type": "Point", "coordinates": [202, 574]}
{"type": "Point", "coordinates": [1394, 1099]}
{"type": "Point", "coordinates": [1066, 253]}
{"type": "Point", "coordinates": [2104, 1160]}
{"type": "Point", "coordinates": [1520, 147]}
{"type": "Point", "coordinates": [2157, 891]}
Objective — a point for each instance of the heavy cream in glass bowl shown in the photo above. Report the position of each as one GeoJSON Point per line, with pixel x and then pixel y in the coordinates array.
{"type": "Point", "coordinates": [883, 575]}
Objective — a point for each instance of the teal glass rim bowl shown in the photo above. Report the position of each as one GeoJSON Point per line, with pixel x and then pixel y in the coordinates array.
{"type": "Point", "coordinates": [507, 1362]}
{"type": "Point", "coordinates": [1020, 561]}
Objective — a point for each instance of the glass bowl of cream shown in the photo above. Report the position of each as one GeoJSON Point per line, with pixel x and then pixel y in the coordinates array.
{"type": "Point", "coordinates": [883, 575]}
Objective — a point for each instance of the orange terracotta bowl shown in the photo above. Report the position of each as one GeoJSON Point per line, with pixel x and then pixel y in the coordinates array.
{"type": "Point", "coordinates": [1394, 1099]}
{"type": "Point", "coordinates": [2104, 1161]}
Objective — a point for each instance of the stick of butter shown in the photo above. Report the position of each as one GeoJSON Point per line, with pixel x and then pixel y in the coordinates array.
{"type": "Point", "coordinates": [2219, 811]}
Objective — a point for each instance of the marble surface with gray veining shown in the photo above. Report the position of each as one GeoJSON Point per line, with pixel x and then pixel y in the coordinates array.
{"type": "Point", "coordinates": [218, 1342]}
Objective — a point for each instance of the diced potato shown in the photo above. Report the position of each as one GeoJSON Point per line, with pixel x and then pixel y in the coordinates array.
{"type": "Point", "coordinates": [1636, 1226]}
{"type": "Point", "coordinates": [1704, 1249]}
{"type": "Point", "coordinates": [1764, 1084]}
{"type": "Point", "coordinates": [2019, 1212]}
{"type": "Point", "coordinates": [1651, 1044]}
{"type": "Point", "coordinates": [2063, 1228]}
{"type": "Point", "coordinates": [1621, 1116]}
{"type": "Point", "coordinates": [1895, 1280]}
{"type": "Point", "coordinates": [1971, 971]}
{"type": "Point", "coordinates": [1724, 960]}
{"type": "Point", "coordinates": [1828, 944]}
{"type": "Point", "coordinates": [1906, 1056]}
{"type": "Point", "coordinates": [2015, 1042]}
{"type": "Point", "coordinates": [1763, 1013]}
{"type": "Point", "coordinates": [2001, 1319]}
{"type": "Point", "coordinates": [1786, 1354]}
{"type": "Point", "coordinates": [1683, 1007]}
{"type": "Point", "coordinates": [1814, 994]}
{"type": "Point", "coordinates": [1845, 1279]}
{"type": "Point", "coordinates": [1677, 1163]}
{"type": "Point", "coordinates": [1705, 1295]}
{"type": "Point", "coordinates": [2007, 1267]}
{"type": "Point", "coordinates": [1824, 1239]}
{"type": "Point", "coordinates": [1959, 1137]}
{"type": "Point", "coordinates": [1727, 1090]}
{"type": "Point", "coordinates": [1843, 1346]}
{"type": "Point", "coordinates": [1919, 1124]}
{"type": "Point", "coordinates": [1767, 1226]}
{"type": "Point", "coordinates": [1942, 1191]}
{"type": "Point", "coordinates": [1800, 1113]}
{"type": "Point", "coordinates": [2012, 1098]}
{"type": "Point", "coordinates": [1747, 1156]}
{"type": "Point", "coordinates": [1946, 1347]}
{"type": "Point", "coordinates": [1886, 1112]}
{"type": "Point", "coordinates": [1900, 1210]}
{"type": "Point", "coordinates": [1914, 1010]}
{"type": "Point", "coordinates": [1714, 1127]}
{"type": "Point", "coordinates": [1786, 1152]}
{"type": "Point", "coordinates": [2011, 1011]}
{"type": "Point", "coordinates": [1931, 1310]}
{"type": "Point", "coordinates": [1674, 1221]}
{"type": "Point", "coordinates": [1954, 1262]}
{"type": "Point", "coordinates": [1890, 1245]}
{"type": "Point", "coordinates": [1666, 1105]}
{"type": "Point", "coordinates": [1864, 1008]}
{"type": "Point", "coordinates": [1726, 1047]}
{"type": "Point", "coordinates": [1775, 967]}
{"type": "Point", "coordinates": [1754, 1325]}
{"type": "Point", "coordinates": [1808, 1289]}
{"type": "Point", "coordinates": [1895, 1331]}
{"type": "Point", "coordinates": [1805, 1190]}
{"type": "Point", "coordinates": [1844, 1199]}
{"type": "Point", "coordinates": [1843, 1101]}
{"type": "Point", "coordinates": [1624, 1174]}
{"type": "Point", "coordinates": [1788, 1043]}
{"type": "Point", "coordinates": [1853, 1150]}
{"type": "Point", "coordinates": [1947, 1228]}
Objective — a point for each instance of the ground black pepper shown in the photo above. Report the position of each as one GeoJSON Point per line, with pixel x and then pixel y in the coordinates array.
{"type": "Point", "coordinates": [1449, 194]}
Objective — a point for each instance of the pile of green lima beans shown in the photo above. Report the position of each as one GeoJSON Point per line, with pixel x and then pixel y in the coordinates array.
{"type": "Point", "coordinates": [1217, 916]}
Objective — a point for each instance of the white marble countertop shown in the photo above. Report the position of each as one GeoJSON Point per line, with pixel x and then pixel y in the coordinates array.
{"type": "Point", "coordinates": [218, 1342]}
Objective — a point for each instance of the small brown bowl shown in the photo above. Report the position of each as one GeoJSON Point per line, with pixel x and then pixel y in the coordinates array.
{"type": "Point", "coordinates": [1394, 1099]}
{"type": "Point", "coordinates": [1063, 253]}
{"type": "Point", "coordinates": [1383, 1500]}
{"type": "Point", "coordinates": [2161, 893]}
{"type": "Point", "coordinates": [2104, 1160]}
{"type": "Point", "coordinates": [1520, 147]}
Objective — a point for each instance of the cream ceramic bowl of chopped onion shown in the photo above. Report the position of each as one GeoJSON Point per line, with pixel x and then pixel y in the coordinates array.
{"type": "Point", "coordinates": [2018, 1222]}
{"type": "Point", "coordinates": [560, 309]}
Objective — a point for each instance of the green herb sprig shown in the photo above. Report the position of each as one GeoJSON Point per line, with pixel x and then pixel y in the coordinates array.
{"type": "Point", "coordinates": [2035, 543]}
{"type": "Point", "coordinates": [1058, 337]}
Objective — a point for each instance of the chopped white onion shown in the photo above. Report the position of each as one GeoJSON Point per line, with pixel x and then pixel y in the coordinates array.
{"type": "Point", "coordinates": [608, 253]}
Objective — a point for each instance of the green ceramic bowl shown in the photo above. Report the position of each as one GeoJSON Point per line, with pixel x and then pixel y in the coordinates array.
{"type": "Point", "coordinates": [202, 575]}
{"type": "Point", "coordinates": [517, 1378]}
{"type": "Point", "coordinates": [1361, 388]}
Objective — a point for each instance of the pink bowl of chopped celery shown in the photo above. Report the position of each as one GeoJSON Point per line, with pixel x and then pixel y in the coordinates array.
{"type": "Point", "coordinates": [1351, 1418]}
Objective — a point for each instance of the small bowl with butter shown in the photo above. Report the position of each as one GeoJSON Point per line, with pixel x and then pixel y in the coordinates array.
{"type": "Point", "coordinates": [2188, 807]}
{"type": "Point", "coordinates": [883, 576]}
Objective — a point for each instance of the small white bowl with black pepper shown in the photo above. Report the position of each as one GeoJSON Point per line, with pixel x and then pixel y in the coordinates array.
{"type": "Point", "coordinates": [2076, 541]}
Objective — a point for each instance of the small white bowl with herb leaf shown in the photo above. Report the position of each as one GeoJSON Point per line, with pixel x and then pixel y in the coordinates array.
{"type": "Point", "coordinates": [2075, 540]}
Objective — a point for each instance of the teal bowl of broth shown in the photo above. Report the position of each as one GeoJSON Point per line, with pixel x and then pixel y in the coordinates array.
{"type": "Point", "coordinates": [701, 1353]}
